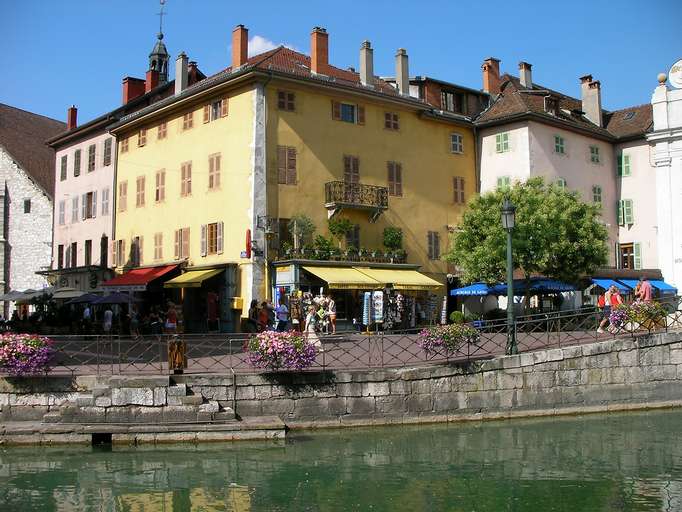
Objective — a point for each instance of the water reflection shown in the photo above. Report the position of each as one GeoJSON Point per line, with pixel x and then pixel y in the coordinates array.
{"type": "Point", "coordinates": [616, 462]}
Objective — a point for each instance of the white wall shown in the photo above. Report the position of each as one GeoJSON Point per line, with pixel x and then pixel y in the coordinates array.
{"type": "Point", "coordinates": [514, 163]}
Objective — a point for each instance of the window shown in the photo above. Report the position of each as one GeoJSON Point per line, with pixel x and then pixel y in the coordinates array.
{"type": "Point", "coordinates": [283, 233]}
{"type": "Point", "coordinates": [91, 157]}
{"type": "Point", "coordinates": [74, 209]}
{"type": "Point", "coordinates": [142, 137]}
{"type": "Point", "coordinates": [351, 169]}
{"type": "Point", "coordinates": [561, 183]}
{"type": "Point", "coordinates": [596, 194]}
{"type": "Point", "coordinates": [452, 101]}
{"type": "Point", "coordinates": [186, 179]}
{"type": "Point", "coordinates": [63, 172]}
{"type": "Point", "coordinates": [559, 144]}
{"type": "Point", "coordinates": [286, 165]}
{"type": "Point", "coordinates": [62, 213]}
{"type": "Point", "coordinates": [105, 201]}
{"type": "Point", "coordinates": [630, 255]}
{"type": "Point", "coordinates": [67, 257]}
{"type": "Point", "coordinates": [214, 171]}
{"type": "Point", "coordinates": [456, 143]}
{"type": "Point", "coordinates": [286, 100]}
{"type": "Point", "coordinates": [187, 120]}
{"type": "Point", "coordinates": [215, 110]}
{"type": "Point", "coordinates": [502, 142]}
{"type": "Point", "coordinates": [158, 246]}
{"type": "Point", "coordinates": [391, 121]}
{"type": "Point", "coordinates": [74, 255]}
{"type": "Point", "coordinates": [395, 178]}
{"type": "Point", "coordinates": [123, 196]}
{"type": "Point", "coordinates": [89, 205]}
{"type": "Point", "coordinates": [181, 243]}
{"type": "Point", "coordinates": [60, 256]}
{"type": "Point", "coordinates": [137, 251]}
{"type": "Point", "coordinates": [162, 130]}
{"type": "Point", "coordinates": [212, 238]}
{"type": "Point", "coordinates": [458, 190]}
{"type": "Point", "coordinates": [124, 145]}
{"type": "Point", "coordinates": [594, 154]}
{"type": "Point", "coordinates": [106, 161]}
{"type": "Point", "coordinates": [104, 251]}
{"type": "Point", "coordinates": [119, 252]}
{"type": "Point", "coordinates": [27, 206]}
{"type": "Point", "coordinates": [433, 239]}
{"type": "Point", "coordinates": [77, 163]}
{"type": "Point", "coordinates": [625, 212]}
{"type": "Point", "coordinates": [353, 237]}
{"type": "Point", "coordinates": [503, 182]}
{"type": "Point", "coordinates": [348, 112]}
{"type": "Point", "coordinates": [87, 253]}
{"type": "Point", "coordinates": [139, 192]}
{"type": "Point", "coordinates": [160, 188]}
{"type": "Point", "coordinates": [623, 165]}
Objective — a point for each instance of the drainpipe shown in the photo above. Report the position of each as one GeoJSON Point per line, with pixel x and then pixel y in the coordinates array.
{"type": "Point", "coordinates": [268, 287]}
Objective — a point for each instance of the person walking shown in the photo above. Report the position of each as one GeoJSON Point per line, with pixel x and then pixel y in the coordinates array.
{"type": "Point", "coordinates": [134, 323]}
{"type": "Point", "coordinates": [108, 320]}
{"type": "Point", "coordinates": [282, 312]}
{"type": "Point", "coordinates": [310, 328]}
{"type": "Point", "coordinates": [171, 319]}
{"type": "Point", "coordinates": [252, 319]}
{"type": "Point", "coordinates": [264, 317]}
{"type": "Point", "coordinates": [331, 309]}
{"type": "Point", "coordinates": [606, 312]}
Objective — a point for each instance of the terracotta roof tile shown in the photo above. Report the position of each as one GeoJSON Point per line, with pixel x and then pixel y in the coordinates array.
{"type": "Point", "coordinates": [630, 122]}
{"type": "Point", "coordinates": [23, 135]}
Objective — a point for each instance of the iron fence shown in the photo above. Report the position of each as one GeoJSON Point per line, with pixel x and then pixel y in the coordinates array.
{"type": "Point", "coordinates": [227, 353]}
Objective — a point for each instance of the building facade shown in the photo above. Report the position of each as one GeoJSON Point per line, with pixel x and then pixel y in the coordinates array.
{"type": "Point", "coordinates": [26, 192]}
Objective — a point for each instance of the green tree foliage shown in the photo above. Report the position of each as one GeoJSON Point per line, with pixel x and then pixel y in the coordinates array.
{"type": "Point", "coordinates": [339, 227]}
{"type": "Point", "coordinates": [556, 235]}
{"type": "Point", "coordinates": [301, 228]}
{"type": "Point", "coordinates": [393, 238]}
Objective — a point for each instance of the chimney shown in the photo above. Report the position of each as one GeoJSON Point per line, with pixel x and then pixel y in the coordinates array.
{"type": "Point", "coordinates": [319, 51]}
{"type": "Point", "coordinates": [591, 96]}
{"type": "Point", "coordinates": [132, 88]}
{"type": "Point", "coordinates": [151, 81]}
{"type": "Point", "coordinates": [491, 76]}
{"type": "Point", "coordinates": [402, 73]}
{"type": "Point", "coordinates": [525, 75]}
{"type": "Point", "coordinates": [181, 73]}
{"type": "Point", "coordinates": [240, 46]}
{"type": "Point", "coordinates": [71, 117]}
{"type": "Point", "coordinates": [366, 64]}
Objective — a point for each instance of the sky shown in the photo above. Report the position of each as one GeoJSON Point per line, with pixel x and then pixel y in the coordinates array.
{"type": "Point", "coordinates": [62, 52]}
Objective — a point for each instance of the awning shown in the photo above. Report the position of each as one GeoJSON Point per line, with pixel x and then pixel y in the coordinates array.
{"type": "Point", "coordinates": [662, 286]}
{"type": "Point", "coordinates": [476, 289]}
{"type": "Point", "coordinates": [608, 283]}
{"type": "Point", "coordinates": [400, 279]}
{"type": "Point", "coordinates": [138, 278]}
{"type": "Point", "coordinates": [192, 278]}
{"type": "Point", "coordinates": [345, 278]}
{"type": "Point", "coordinates": [67, 293]}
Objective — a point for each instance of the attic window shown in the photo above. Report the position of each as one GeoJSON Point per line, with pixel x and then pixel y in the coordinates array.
{"type": "Point", "coordinates": [551, 105]}
{"type": "Point", "coordinates": [629, 116]}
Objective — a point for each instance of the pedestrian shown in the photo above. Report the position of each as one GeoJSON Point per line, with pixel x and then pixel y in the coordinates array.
{"type": "Point", "coordinates": [108, 320]}
{"type": "Point", "coordinates": [282, 313]}
{"type": "Point", "coordinates": [171, 319]}
{"type": "Point", "coordinates": [134, 323]}
{"type": "Point", "coordinates": [616, 300]}
{"type": "Point", "coordinates": [331, 308]}
{"type": "Point", "coordinates": [645, 290]}
{"type": "Point", "coordinates": [263, 317]}
{"type": "Point", "coordinates": [87, 319]}
{"type": "Point", "coordinates": [606, 312]}
{"type": "Point", "coordinates": [310, 328]}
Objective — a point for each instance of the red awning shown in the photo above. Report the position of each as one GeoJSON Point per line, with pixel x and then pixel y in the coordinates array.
{"type": "Point", "coordinates": [138, 278]}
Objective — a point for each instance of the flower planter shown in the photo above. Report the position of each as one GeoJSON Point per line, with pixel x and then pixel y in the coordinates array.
{"type": "Point", "coordinates": [25, 354]}
{"type": "Point", "coordinates": [276, 351]}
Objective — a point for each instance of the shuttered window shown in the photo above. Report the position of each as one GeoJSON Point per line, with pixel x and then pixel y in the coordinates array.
{"type": "Point", "coordinates": [92, 149]}
{"type": "Point", "coordinates": [624, 165]}
{"type": "Point", "coordinates": [137, 251]}
{"type": "Point", "coordinates": [181, 245]}
{"type": "Point", "coordinates": [215, 110]}
{"type": "Point", "coordinates": [63, 171]}
{"type": "Point", "coordinates": [77, 163]}
{"type": "Point", "coordinates": [62, 213]}
{"type": "Point", "coordinates": [124, 145]}
{"type": "Point", "coordinates": [122, 196]}
{"type": "Point", "coordinates": [353, 237]}
{"type": "Point", "coordinates": [139, 192]}
{"type": "Point", "coordinates": [286, 165]}
{"type": "Point", "coordinates": [212, 238]}
{"type": "Point", "coordinates": [105, 201]}
{"type": "Point", "coordinates": [458, 190]}
{"type": "Point", "coordinates": [433, 242]}
{"type": "Point", "coordinates": [626, 214]}
{"type": "Point", "coordinates": [596, 194]}
{"type": "Point", "coordinates": [395, 178]}
{"type": "Point", "coordinates": [391, 121]}
{"type": "Point", "coordinates": [107, 152]}
{"type": "Point", "coordinates": [186, 179]}
{"type": "Point", "coordinates": [348, 112]}
{"type": "Point", "coordinates": [158, 246]}
{"type": "Point", "coordinates": [351, 169]}
{"type": "Point", "coordinates": [286, 100]}
{"type": "Point", "coordinates": [503, 182]}
{"type": "Point", "coordinates": [214, 171]}
{"type": "Point", "coordinates": [187, 120]}
{"type": "Point", "coordinates": [561, 183]}
{"type": "Point", "coordinates": [142, 137]}
{"type": "Point", "coordinates": [118, 252]}
{"type": "Point", "coordinates": [456, 143]}
{"type": "Point", "coordinates": [160, 186]}
{"type": "Point", "coordinates": [559, 144]}
{"type": "Point", "coordinates": [502, 142]}
{"type": "Point", "coordinates": [162, 130]}
{"type": "Point", "coordinates": [594, 154]}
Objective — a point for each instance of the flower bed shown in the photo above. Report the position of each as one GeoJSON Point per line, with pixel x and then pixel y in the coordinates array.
{"type": "Point", "coordinates": [448, 338]}
{"type": "Point", "coordinates": [281, 351]}
{"type": "Point", "coordinates": [25, 354]}
{"type": "Point", "coordinates": [639, 314]}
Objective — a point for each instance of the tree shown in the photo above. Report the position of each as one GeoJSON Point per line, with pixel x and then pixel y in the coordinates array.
{"type": "Point", "coordinates": [393, 238]}
{"type": "Point", "coordinates": [301, 228]}
{"type": "Point", "coordinates": [556, 235]}
{"type": "Point", "coordinates": [339, 227]}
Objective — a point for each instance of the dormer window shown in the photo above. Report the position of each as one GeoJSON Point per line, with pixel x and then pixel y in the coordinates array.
{"type": "Point", "coordinates": [552, 105]}
{"type": "Point", "coordinates": [452, 101]}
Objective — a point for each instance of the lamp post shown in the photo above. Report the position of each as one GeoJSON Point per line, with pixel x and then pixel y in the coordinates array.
{"type": "Point", "coordinates": [508, 221]}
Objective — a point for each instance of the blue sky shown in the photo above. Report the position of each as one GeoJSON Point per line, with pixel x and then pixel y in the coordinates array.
{"type": "Point", "coordinates": [62, 52]}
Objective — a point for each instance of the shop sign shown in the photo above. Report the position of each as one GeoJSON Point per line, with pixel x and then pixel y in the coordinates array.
{"type": "Point", "coordinates": [675, 75]}
{"type": "Point", "coordinates": [285, 275]}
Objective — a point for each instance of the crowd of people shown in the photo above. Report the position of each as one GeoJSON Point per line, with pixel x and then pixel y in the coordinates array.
{"type": "Point", "coordinates": [316, 315]}
{"type": "Point", "coordinates": [612, 298]}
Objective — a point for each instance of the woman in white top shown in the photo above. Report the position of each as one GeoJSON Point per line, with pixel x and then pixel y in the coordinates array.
{"type": "Point", "coordinates": [331, 308]}
{"type": "Point", "coordinates": [310, 322]}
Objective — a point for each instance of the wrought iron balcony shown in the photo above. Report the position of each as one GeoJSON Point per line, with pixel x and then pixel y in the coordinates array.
{"type": "Point", "coordinates": [340, 194]}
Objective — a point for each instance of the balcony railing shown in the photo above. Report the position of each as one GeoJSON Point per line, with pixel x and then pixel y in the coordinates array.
{"type": "Point", "coordinates": [341, 194]}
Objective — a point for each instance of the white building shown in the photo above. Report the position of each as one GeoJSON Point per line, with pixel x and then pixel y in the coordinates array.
{"type": "Point", "coordinates": [26, 191]}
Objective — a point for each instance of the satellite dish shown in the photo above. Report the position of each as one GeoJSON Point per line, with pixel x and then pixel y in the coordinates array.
{"type": "Point", "coordinates": [675, 75]}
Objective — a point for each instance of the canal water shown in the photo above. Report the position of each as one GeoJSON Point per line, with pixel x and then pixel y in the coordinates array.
{"type": "Point", "coordinates": [619, 462]}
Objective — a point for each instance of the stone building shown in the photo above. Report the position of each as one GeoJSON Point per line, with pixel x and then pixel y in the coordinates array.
{"type": "Point", "coordinates": [26, 192]}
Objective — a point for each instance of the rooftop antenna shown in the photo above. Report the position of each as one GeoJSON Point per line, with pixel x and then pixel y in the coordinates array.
{"type": "Point", "coordinates": [161, 13]}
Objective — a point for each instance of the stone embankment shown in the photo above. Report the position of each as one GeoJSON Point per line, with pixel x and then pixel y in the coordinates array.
{"type": "Point", "coordinates": [611, 375]}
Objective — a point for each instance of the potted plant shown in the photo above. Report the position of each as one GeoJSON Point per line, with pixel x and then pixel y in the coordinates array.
{"type": "Point", "coordinates": [339, 227]}
{"type": "Point", "coordinates": [446, 338]}
{"type": "Point", "coordinates": [272, 350]}
{"type": "Point", "coordinates": [25, 354]}
{"type": "Point", "coordinates": [301, 228]}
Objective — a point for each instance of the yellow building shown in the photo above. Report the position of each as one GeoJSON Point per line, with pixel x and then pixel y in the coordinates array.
{"type": "Point", "coordinates": [279, 135]}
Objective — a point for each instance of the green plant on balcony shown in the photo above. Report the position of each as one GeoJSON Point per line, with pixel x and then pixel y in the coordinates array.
{"type": "Point", "coordinates": [339, 227]}
{"type": "Point", "coordinates": [323, 248]}
{"type": "Point", "coordinates": [301, 228]}
{"type": "Point", "coordinates": [393, 238]}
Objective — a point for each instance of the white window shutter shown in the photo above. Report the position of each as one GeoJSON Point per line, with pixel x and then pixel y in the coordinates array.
{"type": "Point", "coordinates": [84, 205]}
{"type": "Point", "coordinates": [203, 239]}
{"type": "Point", "coordinates": [637, 249]}
{"type": "Point", "coordinates": [221, 226]}
{"type": "Point", "coordinates": [114, 254]}
{"type": "Point", "coordinates": [94, 204]}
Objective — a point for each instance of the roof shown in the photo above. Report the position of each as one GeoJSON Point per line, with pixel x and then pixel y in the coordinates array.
{"type": "Point", "coordinates": [630, 122]}
{"type": "Point", "coordinates": [23, 135]}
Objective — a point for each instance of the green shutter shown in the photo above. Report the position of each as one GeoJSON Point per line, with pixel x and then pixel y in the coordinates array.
{"type": "Point", "coordinates": [620, 165]}
{"type": "Point", "coordinates": [638, 255]}
{"type": "Point", "coordinates": [628, 212]}
{"type": "Point", "coordinates": [620, 213]}
{"type": "Point", "coordinates": [505, 142]}
{"type": "Point", "coordinates": [626, 165]}
{"type": "Point", "coordinates": [498, 145]}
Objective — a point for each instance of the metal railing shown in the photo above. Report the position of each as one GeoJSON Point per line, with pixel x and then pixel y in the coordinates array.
{"type": "Point", "coordinates": [226, 353]}
{"type": "Point", "coordinates": [341, 193]}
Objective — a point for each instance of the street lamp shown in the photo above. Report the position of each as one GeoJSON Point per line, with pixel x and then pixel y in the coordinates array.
{"type": "Point", "coordinates": [508, 222]}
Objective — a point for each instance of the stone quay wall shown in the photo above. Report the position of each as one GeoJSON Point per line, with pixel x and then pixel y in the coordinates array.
{"type": "Point", "coordinates": [611, 375]}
